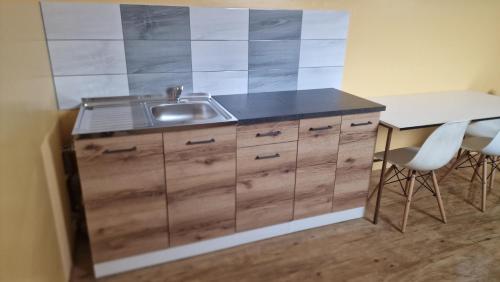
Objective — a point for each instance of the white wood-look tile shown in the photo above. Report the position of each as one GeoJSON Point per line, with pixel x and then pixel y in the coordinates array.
{"type": "Point", "coordinates": [71, 89]}
{"type": "Point", "coordinates": [219, 24]}
{"type": "Point", "coordinates": [219, 55]}
{"type": "Point", "coordinates": [221, 82]}
{"type": "Point", "coordinates": [322, 53]}
{"type": "Point", "coordinates": [81, 57]}
{"type": "Point", "coordinates": [325, 24]}
{"type": "Point", "coordinates": [325, 77]}
{"type": "Point", "coordinates": [82, 21]}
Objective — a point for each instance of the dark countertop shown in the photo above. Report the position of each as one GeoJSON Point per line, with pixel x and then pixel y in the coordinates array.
{"type": "Point", "coordinates": [296, 104]}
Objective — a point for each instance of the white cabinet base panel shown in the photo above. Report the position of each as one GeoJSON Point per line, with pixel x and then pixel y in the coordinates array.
{"type": "Point", "coordinates": [211, 245]}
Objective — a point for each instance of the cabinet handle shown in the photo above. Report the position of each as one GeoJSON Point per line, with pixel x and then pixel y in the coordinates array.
{"type": "Point", "coordinates": [320, 128]}
{"type": "Point", "coordinates": [131, 149]}
{"type": "Point", "coordinates": [277, 155]}
{"type": "Point", "coordinates": [361, 123]}
{"type": "Point", "coordinates": [270, 133]}
{"type": "Point", "coordinates": [200, 142]}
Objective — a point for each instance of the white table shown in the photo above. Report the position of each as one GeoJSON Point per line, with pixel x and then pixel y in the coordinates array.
{"type": "Point", "coordinates": [405, 112]}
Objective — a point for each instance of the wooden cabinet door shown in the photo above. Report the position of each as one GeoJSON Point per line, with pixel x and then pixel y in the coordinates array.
{"type": "Point", "coordinates": [123, 186]}
{"type": "Point", "coordinates": [354, 165]}
{"type": "Point", "coordinates": [265, 184]}
{"type": "Point", "coordinates": [200, 171]}
{"type": "Point", "coordinates": [316, 165]}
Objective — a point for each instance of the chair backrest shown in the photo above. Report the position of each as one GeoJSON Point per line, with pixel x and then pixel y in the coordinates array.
{"type": "Point", "coordinates": [493, 148]}
{"type": "Point", "coordinates": [440, 146]}
{"type": "Point", "coordinates": [485, 128]}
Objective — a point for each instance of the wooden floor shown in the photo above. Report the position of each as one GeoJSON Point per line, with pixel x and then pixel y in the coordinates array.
{"type": "Point", "coordinates": [467, 248]}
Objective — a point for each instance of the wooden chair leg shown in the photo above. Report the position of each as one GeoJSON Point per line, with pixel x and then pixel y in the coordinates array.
{"type": "Point", "coordinates": [408, 201]}
{"type": "Point", "coordinates": [494, 160]}
{"type": "Point", "coordinates": [407, 183]}
{"type": "Point", "coordinates": [459, 154]}
{"type": "Point", "coordinates": [438, 196]}
{"type": "Point", "coordinates": [387, 173]}
{"type": "Point", "coordinates": [484, 182]}
{"type": "Point", "coordinates": [476, 169]}
{"type": "Point", "coordinates": [457, 161]}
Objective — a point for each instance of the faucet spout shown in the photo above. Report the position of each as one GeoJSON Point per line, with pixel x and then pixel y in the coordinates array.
{"type": "Point", "coordinates": [173, 93]}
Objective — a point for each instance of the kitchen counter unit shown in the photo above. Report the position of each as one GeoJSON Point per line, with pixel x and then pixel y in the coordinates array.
{"type": "Point", "coordinates": [279, 162]}
{"type": "Point", "coordinates": [294, 105]}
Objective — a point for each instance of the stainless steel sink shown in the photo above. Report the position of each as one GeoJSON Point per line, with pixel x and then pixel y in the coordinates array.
{"type": "Point", "coordinates": [127, 113]}
{"type": "Point", "coordinates": [189, 112]}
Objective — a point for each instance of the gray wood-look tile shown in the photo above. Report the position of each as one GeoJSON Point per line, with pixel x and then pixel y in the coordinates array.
{"type": "Point", "coordinates": [219, 24]}
{"type": "Point", "coordinates": [221, 82]}
{"type": "Point", "coordinates": [150, 56]}
{"type": "Point", "coordinates": [157, 83]}
{"type": "Point", "coordinates": [219, 55]}
{"type": "Point", "coordinates": [275, 24]}
{"type": "Point", "coordinates": [81, 21]}
{"type": "Point", "coordinates": [326, 77]}
{"type": "Point", "coordinates": [155, 22]}
{"type": "Point", "coordinates": [322, 53]}
{"type": "Point", "coordinates": [325, 24]}
{"type": "Point", "coordinates": [273, 54]}
{"type": "Point", "coordinates": [82, 57]}
{"type": "Point", "coordinates": [272, 80]}
{"type": "Point", "coordinates": [71, 89]}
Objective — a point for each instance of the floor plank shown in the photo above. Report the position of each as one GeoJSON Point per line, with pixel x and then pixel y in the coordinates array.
{"type": "Point", "coordinates": [467, 248]}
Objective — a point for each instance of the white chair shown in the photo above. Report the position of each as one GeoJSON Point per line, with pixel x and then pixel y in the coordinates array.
{"type": "Point", "coordinates": [478, 151]}
{"type": "Point", "coordinates": [439, 148]}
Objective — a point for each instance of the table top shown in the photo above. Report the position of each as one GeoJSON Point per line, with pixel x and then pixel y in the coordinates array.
{"type": "Point", "coordinates": [413, 111]}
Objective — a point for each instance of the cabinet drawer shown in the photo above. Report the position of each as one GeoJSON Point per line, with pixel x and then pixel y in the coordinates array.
{"type": "Point", "coordinates": [213, 139]}
{"type": "Point", "coordinates": [201, 183]}
{"type": "Point", "coordinates": [354, 167]}
{"type": "Point", "coordinates": [267, 133]}
{"type": "Point", "coordinates": [265, 184]}
{"type": "Point", "coordinates": [314, 190]}
{"type": "Point", "coordinates": [360, 122]}
{"type": "Point", "coordinates": [121, 177]}
{"type": "Point", "coordinates": [318, 141]}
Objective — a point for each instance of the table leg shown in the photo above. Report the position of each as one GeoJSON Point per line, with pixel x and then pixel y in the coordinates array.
{"type": "Point", "coordinates": [382, 175]}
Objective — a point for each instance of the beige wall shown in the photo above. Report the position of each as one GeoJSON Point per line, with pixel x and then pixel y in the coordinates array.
{"type": "Point", "coordinates": [33, 226]}
{"type": "Point", "coordinates": [394, 47]}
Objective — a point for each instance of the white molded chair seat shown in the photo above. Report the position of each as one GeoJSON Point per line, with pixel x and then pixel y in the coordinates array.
{"type": "Point", "coordinates": [399, 157]}
{"type": "Point", "coordinates": [475, 144]}
{"type": "Point", "coordinates": [436, 152]}
{"type": "Point", "coordinates": [485, 128]}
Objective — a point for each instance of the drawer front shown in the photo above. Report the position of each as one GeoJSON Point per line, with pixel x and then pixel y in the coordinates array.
{"type": "Point", "coordinates": [314, 190]}
{"type": "Point", "coordinates": [354, 166]}
{"type": "Point", "coordinates": [318, 141]}
{"type": "Point", "coordinates": [122, 177]}
{"type": "Point", "coordinates": [265, 185]}
{"type": "Point", "coordinates": [360, 122]}
{"type": "Point", "coordinates": [201, 183]}
{"type": "Point", "coordinates": [267, 133]}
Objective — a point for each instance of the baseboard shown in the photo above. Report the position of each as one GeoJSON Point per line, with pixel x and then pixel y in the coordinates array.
{"type": "Point", "coordinates": [220, 243]}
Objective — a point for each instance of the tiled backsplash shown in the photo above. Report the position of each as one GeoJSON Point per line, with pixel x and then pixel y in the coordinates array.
{"type": "Point", "coordinates": [115, 50]}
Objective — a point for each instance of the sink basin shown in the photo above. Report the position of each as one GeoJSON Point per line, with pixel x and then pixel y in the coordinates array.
{"type": "Point", "coordinates": [190, 112]}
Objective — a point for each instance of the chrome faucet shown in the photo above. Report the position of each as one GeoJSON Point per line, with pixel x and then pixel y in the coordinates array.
{"type": "Point", "coordinates": [173, 93]}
